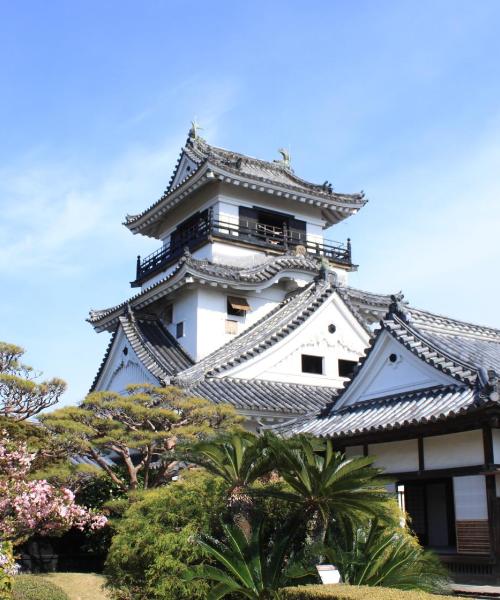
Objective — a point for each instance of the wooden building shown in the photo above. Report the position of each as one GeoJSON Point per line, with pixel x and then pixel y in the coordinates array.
{"type": "Point", "coordinates": [425, 401]}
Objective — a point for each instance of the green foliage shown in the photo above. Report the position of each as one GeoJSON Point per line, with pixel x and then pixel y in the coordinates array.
{"type": "Point", "coordinates": [376, 555]}
{"type": "Point", "coordinates": [239, 460]}
{"type": "Point", "coordinates": [141, 427]}
{"type": "Point", "coordinates": [21, 397]}
{"type": "Point", "coordinates": [155, 539]}
{"type": "Point", "coordinates": [348, 592]}
{"type": "Point", "coordinates": [253, 567]}
{"type": "Point", "coordinates": [34, 587]}
{"type": "Point", "coordinates": [8, 568]}
{"type": "Point", "coordinates": [324, 484]}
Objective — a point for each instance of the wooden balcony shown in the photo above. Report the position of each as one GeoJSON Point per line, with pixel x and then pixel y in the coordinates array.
{"type": "Point", "coordinates": [245, 233]}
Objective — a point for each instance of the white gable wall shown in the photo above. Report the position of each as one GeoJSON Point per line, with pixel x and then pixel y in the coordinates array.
{"type": "Point", "coordinates": [282, 362]}
{"type": "Point", "coordinates": [185, 168]}
{"type": "Point", "coordinates": [381, 377]}
{"type": "Point", "coordinates": [123, 369]}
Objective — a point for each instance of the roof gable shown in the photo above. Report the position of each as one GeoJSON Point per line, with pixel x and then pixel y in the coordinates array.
{"type": "Point", "coordinates": [331, 331]}
{"type": "Point", "coordinates": [145, 343]}
{"type": "Point", "coordinates": [184, 168]}
{"type": "Point", "coordinates": [209, 163]}
{"type": "Point", "coordinates": [391, 369]}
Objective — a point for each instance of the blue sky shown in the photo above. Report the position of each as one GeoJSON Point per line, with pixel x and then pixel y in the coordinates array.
{"type": "Point", "coordinates": [400, 99]}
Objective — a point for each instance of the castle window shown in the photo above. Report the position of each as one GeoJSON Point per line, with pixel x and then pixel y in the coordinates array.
{"type": "Point", "coordinates": [312, 364]}
{"type": "Point", "coordinates": [179, 330]}
{"type": "Point", "coordinates": [346, 367]}
{"type": "Point", "coordinates": [168, 315]}
{"type": "Point", "coordinates": [237, 307]}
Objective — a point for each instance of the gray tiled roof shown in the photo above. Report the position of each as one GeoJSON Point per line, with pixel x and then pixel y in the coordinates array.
{"type": "Point", "coordinates": [156, 348]}
{"type": "Point", "coordinates": [391, 412]}
{"type": "Point", "coordinates": [214, 272]}
{"type": "Point", "coordinates": [263, 334]}
{"type": "Point", "coordinates": [462, 350]}
{"type": "Point", "coordinates": [266, 396]}
{"type": "Point", "coordinates": [471, 344]}
{"type": "Point", "coordinates": [274, 173]}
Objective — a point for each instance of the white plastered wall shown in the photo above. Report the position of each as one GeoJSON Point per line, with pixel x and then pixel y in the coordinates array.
{"type": "Point", "coordinates": [395, 457]}
{"type": "Point", "coordinates": [185, 309]}
{"type": "Point", "coordinates": [282, 362]}
{"type": "Point", "coordinates": [123, 367]}
{"type": "Point", "coordinates": [495, 434]}
{"type": "Point", "coordinates": [352, 451]}
{"type": "Point", "coordinates": [464, 449]}
{"type": "Point", "coordinates": [470, 498]}
{"type": "Point", "coordinates": [212, 314]}
{"type": "Point", "coordinates": [381, 377]}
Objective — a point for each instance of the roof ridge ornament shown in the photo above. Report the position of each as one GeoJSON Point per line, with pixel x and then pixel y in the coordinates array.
{"type": "Point", "coordinates": [398, 307]}
{"type": "Point", "coordinates": [327, 274]}
{"type": "Point", "coordinates": [286, 159]}
{"type": "Point", "coordinates": [193, 131]}
{"type": "Point", "coordinates": [491, 385]}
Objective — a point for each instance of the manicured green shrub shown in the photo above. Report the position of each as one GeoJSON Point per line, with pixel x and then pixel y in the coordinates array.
{"type": "Point", "coordinates": [348, 592]}
{"type": "Point", "coordinates": [34, 587]}
{"type": "Point", "coordinates": [155, 540]}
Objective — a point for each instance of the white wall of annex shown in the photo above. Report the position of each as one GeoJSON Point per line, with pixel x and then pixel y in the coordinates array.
{"type": "Point", "coordinates": [470, 498]}
{"type": "Point", "coordinates": [395, 457]}
{"type": "Point", "coordinates": [352, 451]}
{"type": "Point", "coordinates": [462, 449]}
{"type": "Point", "coordinates": [495, 434]}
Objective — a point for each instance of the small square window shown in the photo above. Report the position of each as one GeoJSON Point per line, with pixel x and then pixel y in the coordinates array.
{"type": "Point", "coordinates": [168, 315]}
{"type": "Point", "coordinates": [179, 330]}
{"type": "Point", "coordinates": [231, 327]}
{"type": "Point", "coordinates": [237, 307]}
{"type": "Point", "coordinates": [346, 367]}
{"type": "Point", "coordinates": [312, 364]}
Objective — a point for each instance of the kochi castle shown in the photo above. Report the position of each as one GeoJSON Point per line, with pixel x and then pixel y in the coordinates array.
{"type": "Point", "coordinates": [247, 301]}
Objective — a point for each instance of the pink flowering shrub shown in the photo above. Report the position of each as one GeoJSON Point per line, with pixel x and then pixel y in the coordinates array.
{"type": "Point", "coordinates": [35, 506]}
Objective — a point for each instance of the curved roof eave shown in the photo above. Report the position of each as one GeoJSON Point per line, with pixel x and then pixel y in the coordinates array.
{"type": "Point", "coordinates": [334, 207]}
{"type": "Point", "coordinates": [187, 272]}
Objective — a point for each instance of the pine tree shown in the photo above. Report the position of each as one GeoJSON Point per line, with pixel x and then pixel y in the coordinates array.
{"type": "Point", "coordinates": [21, 397]}
{"type": "Point", "coordinates": [133, 436]}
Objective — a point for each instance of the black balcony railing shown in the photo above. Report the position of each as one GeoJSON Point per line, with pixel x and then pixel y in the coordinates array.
{"type": "Point", "coordinates": [245, 232]}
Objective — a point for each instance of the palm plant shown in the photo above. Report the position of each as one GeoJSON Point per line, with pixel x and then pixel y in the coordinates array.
{"type": "Point", "coordinates": [254, 567]}
{"type": "Point", "coordinates": [239, 459]}
{"type": "Point", "coordinates": [370, 554]}
{"type": "Point", "coordinates": [325, 485]}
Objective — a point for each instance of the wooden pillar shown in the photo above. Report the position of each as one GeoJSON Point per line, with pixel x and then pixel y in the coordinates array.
{"type": "Point", "coordinates": [421, 457]}
{"type": "Point", "coordinates": [491, 494]}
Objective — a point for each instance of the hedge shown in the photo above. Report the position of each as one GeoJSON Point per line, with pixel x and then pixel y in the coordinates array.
{"type": "Point", "coordinates": [33, 587]}
{"type": "Point", "coordinates": [352, 592]}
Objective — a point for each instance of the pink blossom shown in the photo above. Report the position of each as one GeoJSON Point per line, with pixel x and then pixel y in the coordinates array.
{"type": "Point", "coordinates": [35, 506]}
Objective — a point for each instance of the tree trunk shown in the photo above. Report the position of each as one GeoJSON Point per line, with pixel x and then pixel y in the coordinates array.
{"type": "Point", "coordinates": [241, 506]}
{"type": "Point", "coordinates": [316, 529]}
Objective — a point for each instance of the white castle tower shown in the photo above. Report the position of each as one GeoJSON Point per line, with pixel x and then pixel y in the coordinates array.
{"type": "Point", "coordinates": [245, 301]}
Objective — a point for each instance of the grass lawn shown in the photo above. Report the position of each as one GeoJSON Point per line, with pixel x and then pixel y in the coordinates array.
{"type": "Point", "coordinates": [80, 586]}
